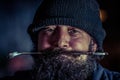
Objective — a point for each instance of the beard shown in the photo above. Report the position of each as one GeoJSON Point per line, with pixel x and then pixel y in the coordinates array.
{"type": "Point", "coordinates": [64, 65]}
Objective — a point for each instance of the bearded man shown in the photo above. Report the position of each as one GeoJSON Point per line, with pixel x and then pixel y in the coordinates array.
{"type": "Point", "coordinates": [69, 36]}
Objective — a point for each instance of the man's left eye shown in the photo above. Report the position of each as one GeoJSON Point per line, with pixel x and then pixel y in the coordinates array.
{"type": "Point", "coordinates": [73, 31]}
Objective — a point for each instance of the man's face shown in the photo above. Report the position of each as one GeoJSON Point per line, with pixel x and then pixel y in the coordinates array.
{"type": "Point", "coordinates": [57, 65]}
{"type": "Point", "coordinates": [65, 37]}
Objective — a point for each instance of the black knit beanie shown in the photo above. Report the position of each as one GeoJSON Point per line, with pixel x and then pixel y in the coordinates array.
{"type": "Point", "coordinates": [83, 14]}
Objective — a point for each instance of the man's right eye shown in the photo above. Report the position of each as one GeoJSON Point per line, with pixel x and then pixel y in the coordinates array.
{"type": "Point", "coordinates": [49, 30]}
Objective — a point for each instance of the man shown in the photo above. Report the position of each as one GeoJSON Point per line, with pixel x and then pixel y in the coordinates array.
{"type": "Point", "coordinates": [59, 29]}
{"type": "Point", "coordinates": [69, 36]}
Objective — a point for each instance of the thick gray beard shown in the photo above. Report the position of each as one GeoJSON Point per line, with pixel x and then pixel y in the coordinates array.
{"type": "Point", "coordinates": [64, 67]}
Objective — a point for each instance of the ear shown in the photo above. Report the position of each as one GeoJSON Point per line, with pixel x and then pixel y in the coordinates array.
{"type": "Point", "coordinates": [93, 45]}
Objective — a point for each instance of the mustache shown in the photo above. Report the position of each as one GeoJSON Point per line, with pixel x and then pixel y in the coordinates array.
{"type": "Point", "coordinates": [57, 51]}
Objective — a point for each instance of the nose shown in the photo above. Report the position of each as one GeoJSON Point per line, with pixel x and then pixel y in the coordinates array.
{"type": "Point", "coordinates": [62, 38]}
{"type": "Point", "coordinates": [63, 43]}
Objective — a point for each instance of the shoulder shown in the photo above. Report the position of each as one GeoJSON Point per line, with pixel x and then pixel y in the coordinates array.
{"type": "Point", "coordinates": [19, 68]}
{"type": "Point", "coordinates": [20, 63]}
{"type": "Point", "coordinates": [104, 74]}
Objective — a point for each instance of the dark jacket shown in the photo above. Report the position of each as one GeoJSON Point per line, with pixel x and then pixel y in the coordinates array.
{"type": "Point", "coordinates": [104, 74]}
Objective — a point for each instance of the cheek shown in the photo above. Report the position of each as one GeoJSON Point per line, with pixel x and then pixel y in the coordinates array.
{"type": "Point", "coordinates": [43, 42]}
{"type": "Point", "coordinates": [79, 45]}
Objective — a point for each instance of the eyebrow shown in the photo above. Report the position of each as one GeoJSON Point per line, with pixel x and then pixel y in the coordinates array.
{"type": "Point", "coordinates": [39, 28]}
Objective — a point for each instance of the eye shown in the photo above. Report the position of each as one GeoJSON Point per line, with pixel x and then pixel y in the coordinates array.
{"type": "Point", "coordinates": [73, 31]}
{"type": "Point", "coordinates": [49, 30]}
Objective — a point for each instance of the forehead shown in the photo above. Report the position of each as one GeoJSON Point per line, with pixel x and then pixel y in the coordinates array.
{"type": "Point", "coordinates": [67, 27]}
{"type": "Point", "coordinates": [63, 26]}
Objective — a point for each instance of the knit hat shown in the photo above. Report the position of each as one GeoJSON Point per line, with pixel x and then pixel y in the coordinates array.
{"type": "Point", "coordinates": [83, 14]}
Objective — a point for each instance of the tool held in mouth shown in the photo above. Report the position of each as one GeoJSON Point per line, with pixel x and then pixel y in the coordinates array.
{"type": "Point", "coordinates": [14, 54]}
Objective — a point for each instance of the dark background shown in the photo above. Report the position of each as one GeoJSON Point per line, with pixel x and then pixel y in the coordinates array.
{"type": "Point", "coordinates": [16, 15]}
{"type": "Point", "coordinates": [112, 41]}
